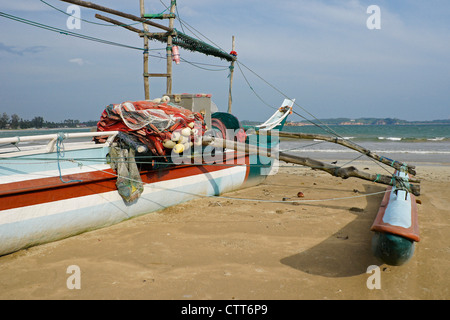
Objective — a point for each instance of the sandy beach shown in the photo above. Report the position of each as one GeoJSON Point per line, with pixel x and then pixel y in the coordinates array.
{"type": "Point", "coordinates": [230, 249]}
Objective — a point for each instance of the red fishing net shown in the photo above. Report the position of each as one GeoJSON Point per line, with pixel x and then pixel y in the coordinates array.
{"type": "Point", "coordinates": [150, 122]}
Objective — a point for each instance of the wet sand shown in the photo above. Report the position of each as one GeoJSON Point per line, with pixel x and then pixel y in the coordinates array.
{"type": "Point", "coordinates": [224, 248]}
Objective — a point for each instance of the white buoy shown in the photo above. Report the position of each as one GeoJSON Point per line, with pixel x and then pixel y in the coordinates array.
{"type": "Point", "coordinates": [175, 136]}
{"type": "Point", "coordinates": [187, 145]}
{"type": "Point", "coordinates": [186, 132]}
{"type": "Point", "coordinates": [183, 139]}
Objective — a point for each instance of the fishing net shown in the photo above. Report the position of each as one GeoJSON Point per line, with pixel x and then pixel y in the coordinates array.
{"type": "Point", "coordinates": [138, 119]}
{"type": "Point", "coordinates": [129, 183]}
{"type": "Point", "coordinates": [195, 45]}
{"type": "Point", "coordinates": [150, 122]}
{"type": "Point", "coordinates": [160, 127]}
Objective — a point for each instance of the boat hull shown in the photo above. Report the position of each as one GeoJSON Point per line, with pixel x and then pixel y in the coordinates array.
{"type": "Point", "coordinates": [46, 205]}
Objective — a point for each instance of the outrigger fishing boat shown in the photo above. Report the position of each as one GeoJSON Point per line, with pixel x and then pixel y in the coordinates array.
{"type": "Point", "coordinates": [148, 155]}
{"type": "Point", "coordinates": [59, 189]}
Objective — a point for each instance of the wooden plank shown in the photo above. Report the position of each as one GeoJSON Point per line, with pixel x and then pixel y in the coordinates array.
{"type": "Point", "coordinates": [158, 16]}
{"type": "Point", "coordinates": [156, 74]}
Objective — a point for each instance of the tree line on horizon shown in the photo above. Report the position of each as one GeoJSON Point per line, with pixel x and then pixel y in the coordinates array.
{"type": "Point", "coordinates": [16, 122]}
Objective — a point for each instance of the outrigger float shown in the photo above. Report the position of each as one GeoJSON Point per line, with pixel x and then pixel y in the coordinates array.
{"type": "Point", "coordinates": [152, 154]}
{"type": "Point", "coordinates": [396, 225]}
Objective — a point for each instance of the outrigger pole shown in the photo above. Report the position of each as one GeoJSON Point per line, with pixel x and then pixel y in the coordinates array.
{"type": "Point", "coordinates": [401, 166]}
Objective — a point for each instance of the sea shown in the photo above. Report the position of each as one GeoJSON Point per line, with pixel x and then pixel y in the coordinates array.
{"type": "Point", "coordinates": [428, 143]}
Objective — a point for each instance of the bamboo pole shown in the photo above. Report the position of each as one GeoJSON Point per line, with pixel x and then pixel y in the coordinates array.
{"type": "Point", "coordinates": [118, 23]}
{"type": "Point", "coordinates": [230, 98]}
{"type": "Point", "coordinates": [145, 73]}
{"type": "Point", "coordinates": [169, 49]}
{"type": "Point", "coordinates": [346, 143]}
{"type": "Point", "coordinates": [344, 173]}
{"type": "Point", "coordinates": [117, 13]}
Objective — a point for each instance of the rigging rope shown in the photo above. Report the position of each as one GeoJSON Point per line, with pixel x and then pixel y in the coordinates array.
{"type": "Point", "coordinates": [65, 32]}
{"type": "Point", "coordinates": [254, 200]}
{"type": "Point", "coordinates": [60, 153]}
{"type": "Point", "coordinates": [320, 125]}
{"type": "Point", "coordinates": [67, 14]}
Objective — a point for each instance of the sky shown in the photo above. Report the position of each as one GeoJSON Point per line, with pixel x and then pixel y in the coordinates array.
{"type": "Point", "coordinates": [335, 57]}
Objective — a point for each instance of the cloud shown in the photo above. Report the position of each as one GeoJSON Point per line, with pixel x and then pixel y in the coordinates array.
{"type": "Point", "coordinates": [21, 52]}
{"type": "Point", "coordinates": [78, 61]}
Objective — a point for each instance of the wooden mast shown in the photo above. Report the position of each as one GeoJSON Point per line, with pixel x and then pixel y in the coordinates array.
{"type": "Point", "coordinates": [169, 48]}
{"type": "Point", "coordinates": [230, 98]}
{"type": "Point", "coordinates": [146, 80]}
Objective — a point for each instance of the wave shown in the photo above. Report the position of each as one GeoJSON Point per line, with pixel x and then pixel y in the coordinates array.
{"type": "Point", "coordinates": [376, 151]}
{"type": "Point", "coordinates": [390, 138]}
{"type": "Point", "coordinates": [402, 139]}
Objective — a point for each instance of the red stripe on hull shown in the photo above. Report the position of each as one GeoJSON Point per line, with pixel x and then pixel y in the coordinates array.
{"type": "Point", "coordinates": [411, 233]}
{"type": "Point", "coordinates": [32, 192]}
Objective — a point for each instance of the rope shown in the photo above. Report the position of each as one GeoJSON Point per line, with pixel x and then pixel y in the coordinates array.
{"type": "Point", "coordinates": [256, 200]}
{"type": "Point", "coordinates": [92, 22]}
{"type": "Point", "coordinates": [65, 32]}
{"type": "Point", "coordinates": [59, 147]}
{"type": "Point", "coordinates": [300, 201]}
{"type": "Point", "coordinates": [320, 125]}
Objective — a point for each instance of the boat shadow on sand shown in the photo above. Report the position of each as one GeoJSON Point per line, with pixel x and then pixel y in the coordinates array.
{"type": "Point", "coordinates": [348, 251]}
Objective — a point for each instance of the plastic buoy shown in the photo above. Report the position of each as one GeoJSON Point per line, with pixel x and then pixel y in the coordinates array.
{"type": "Point", "coordinates": [183, 139]}
{"type": "Point", "coordinates": [169, 144]}
{"type": "Point", "coordinates": [176, 135]}
{"type": "Point", "coordinates": [179, 148]}
{"type": "Point", "coordinates": [186, 132]}
{"type": "Point", "coordinates": [176, 54]}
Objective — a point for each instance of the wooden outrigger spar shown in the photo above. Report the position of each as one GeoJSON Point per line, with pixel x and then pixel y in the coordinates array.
{"type": "Point", "coordinates": [344, 173]}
